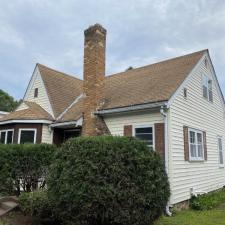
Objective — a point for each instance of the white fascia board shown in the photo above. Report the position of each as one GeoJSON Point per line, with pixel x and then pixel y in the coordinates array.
{"type": "Point", "coordinates": [71, 105]}
{"type": "Point", "coordinates": [146, 106]}
{"type": "Point", "coordinates": [61, 124]}
{"type": "Point", "coordinates": [186, 80]}
{"type": "Point", "coordinates": [25, 121]}
{"type": "Point", "coordinates": [4, 113]}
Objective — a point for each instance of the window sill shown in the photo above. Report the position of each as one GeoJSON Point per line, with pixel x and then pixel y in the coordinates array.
{"type": "Point", "coordinates": [221, 166]}
{"type": "Point", "coordinates": [196, 160]}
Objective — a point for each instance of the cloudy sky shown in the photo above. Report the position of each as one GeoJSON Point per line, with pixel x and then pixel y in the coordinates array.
{"type": "Point", "coordinates": [139, 33]}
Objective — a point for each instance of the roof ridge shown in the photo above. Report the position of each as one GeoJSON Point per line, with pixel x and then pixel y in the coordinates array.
{"type": "Point", "coordinates": [54, 70]}
{"type": "Point", "coordinates": [166, 60]}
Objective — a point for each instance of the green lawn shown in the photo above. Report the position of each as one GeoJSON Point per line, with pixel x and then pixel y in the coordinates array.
{"type": "Point", "coordinates": [190, 217]}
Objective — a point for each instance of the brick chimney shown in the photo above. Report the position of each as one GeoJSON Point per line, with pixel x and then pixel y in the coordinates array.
{"type": "Point", "coordinates": [94, 74]}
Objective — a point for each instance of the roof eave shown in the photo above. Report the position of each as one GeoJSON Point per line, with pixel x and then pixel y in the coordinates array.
{"type": "Point", "coordinates": [10, 121]}
{"type": "Point", "coordinates": [132, 108]}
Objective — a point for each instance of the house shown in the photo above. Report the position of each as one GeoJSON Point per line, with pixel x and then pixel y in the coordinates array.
{"type": "Point", "coordinates": [3, 113]}
{"type": "Point", "coordinates": [176, 106]}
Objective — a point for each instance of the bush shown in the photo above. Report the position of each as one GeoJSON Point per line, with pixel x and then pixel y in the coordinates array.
{"type": "Point", "coordinates": [107, 180]}
{"type": "Point", "coordinates": [37, 204]}
{"type": "Point", "coordinates": [23, 165]}
{"type": "Point", "coordinates": [208, 201]}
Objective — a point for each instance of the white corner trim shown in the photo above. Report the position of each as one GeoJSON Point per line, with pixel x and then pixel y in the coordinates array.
{"type": "Point", "coordinates": [28, 129]}
{"type": "Point", "coordinates": [186, 80]}
{"type": "Point", "coordinates": [34, 76]}
{"type": "Point", "coordinates": [25, 121]}
{"type": "Point", "coordinates": [70, 106]}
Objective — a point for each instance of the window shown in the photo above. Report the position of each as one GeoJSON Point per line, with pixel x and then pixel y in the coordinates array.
{"type": "Point", "coordinates": [36, 92]}
{"type": "Point", "coordinates": [207, 88]}
{"type": "Point", "coordinates": [220, 147]}
{"type": "Point", "coordinates": [27, 136]}
{"type": "Point", "coordinates": [185, 93]}
{"type": "Point", "coordinates": [145, 133]}
{"type": "Point", "coordinates": [196, 146]}
{"type": "Point", "coordinates": [6, 136]}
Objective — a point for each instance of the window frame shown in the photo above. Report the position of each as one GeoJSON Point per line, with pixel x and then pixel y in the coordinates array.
{"type": "Point", "coordinates": [196, 159]}
{"type": "Point", "coordinates": [221, 138]}
{"type": "Point", "coordinates": [208, 83]}
{"type": "Point", "coordinates": [6, 135]}
{"type": "Point", "coordinates": [27, 129]}
{"type": "Point", "coordinates": [145, 126]}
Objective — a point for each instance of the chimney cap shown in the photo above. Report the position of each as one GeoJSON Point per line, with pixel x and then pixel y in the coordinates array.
{"type": "Point", "coordinates": [93, 28]}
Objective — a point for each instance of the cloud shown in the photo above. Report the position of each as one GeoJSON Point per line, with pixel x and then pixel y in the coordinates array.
{"type": "Point", "coordinates": [139, 33]}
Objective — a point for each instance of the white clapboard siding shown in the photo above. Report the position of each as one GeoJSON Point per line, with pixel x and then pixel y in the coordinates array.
{"type": "Point", "coordinates": [47, 136]}
{"type": "Point", "coordinates": [195, 112]}
{"type": "Point", "coordinates": [116, 123]}
{"type": "Point", "coordinates": [42, 99]}
{"type": "Point", "coordinates": [22, 106]}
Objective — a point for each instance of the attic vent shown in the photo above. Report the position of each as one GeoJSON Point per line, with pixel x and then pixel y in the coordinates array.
{"type": "Point", "coordinates": [206, 63]}
{"type": "Point", "coordinates": [36, 92]}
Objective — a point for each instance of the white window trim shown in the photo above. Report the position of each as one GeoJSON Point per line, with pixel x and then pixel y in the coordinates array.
{"type": "Point", "coordinates": [208, 79]}
{"type": "Point", "coordinates": [196, 159]}
{"type": "Point", "coordinates": [220, 137]}
{"type": "Point", "coordinates": [145, 126]}
{"type": "Point", "coordinates": [28, 129]}
{"type": "Point", "coordinates": [6, 134]}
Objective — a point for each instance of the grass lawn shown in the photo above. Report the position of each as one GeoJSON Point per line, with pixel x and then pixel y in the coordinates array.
{"type": "Point", "coordinates": [191, 217]}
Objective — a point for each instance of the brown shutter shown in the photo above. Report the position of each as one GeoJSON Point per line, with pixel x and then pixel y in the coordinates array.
{"type": "Point", "coordinates": [205, 145]}
{"type": "Point", "coordinates": [186, 144]}
{"type": "Point", "coordinates": [160, 139]}
{"type": "Point", "coordinates": [127, 130]}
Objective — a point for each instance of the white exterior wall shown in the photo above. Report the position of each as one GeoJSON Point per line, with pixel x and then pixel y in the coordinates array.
{"type": "Point", "coordinates": [195, 112]}
{"type": "Point", "coordinates": [22, 106]}
{"type": "Point", "coordinates": [116, 123]}
{"type": "Point", "coordinates": [42, 99]}
{"type": "Point", "coordinates": [47, 136]}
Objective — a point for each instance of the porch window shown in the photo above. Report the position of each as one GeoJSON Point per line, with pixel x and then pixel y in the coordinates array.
{"type": "Point", "coordinates": [6, 136]}
{"type": "Point", "coordinates": [27, 136]}
{"type": "Point", "coordinates": [196, 146]}
{"type": "Point", "coordinates": [145, 133]}
{"type": "Point", "coordinates": [220, 147]}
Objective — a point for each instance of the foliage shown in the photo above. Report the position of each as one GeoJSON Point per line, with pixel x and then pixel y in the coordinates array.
{"type": "Point", "coordinates": [208, 201]}
{"type": "Point", "coordinates": [24, 165]}
{"type": "Point", "coordinates": [107, 180]}
{"type": "Point", "coordinates": [7, 103]}
{"type": "Point", "coordinates": [37, 204]}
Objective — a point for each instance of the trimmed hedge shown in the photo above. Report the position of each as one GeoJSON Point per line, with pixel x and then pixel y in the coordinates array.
{"type": "Point", "coordinates": [24, 164]}
{"type": "Point", "coordinates": [208, 201]}
{"type": "Point", "coordinates": [107, 180]}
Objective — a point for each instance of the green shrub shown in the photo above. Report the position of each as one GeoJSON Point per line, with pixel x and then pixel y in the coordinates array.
{"type": "Point", "coordinates": [24, 164]}
{"type": "Point", "coordinates": [208, 201]}
{"type": "Point", "coordinates": [107, 180]}
{"type": "Point", "coordinates": [37, 204]}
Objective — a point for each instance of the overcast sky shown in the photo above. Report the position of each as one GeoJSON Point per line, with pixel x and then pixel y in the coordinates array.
{"type": "Point", "coordinates": [139, 33]}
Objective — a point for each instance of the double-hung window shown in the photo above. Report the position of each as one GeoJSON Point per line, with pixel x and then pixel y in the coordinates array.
{"type": "Point", "coordinates": [6, 136]}
{"type": "Point", "coordinates": [145, 133]}
{"type": "Point", "coordinates": [27, 136]}
{"type": "Point", "coordinates": [220, 148]}
{"type": "Point", "coordinates": [207, 88]}
{"type": "Point", "coordinates": [196, 145]}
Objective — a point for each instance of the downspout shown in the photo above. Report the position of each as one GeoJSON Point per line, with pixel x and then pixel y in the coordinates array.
{"type": "Point", "coordinates": [164, 114]}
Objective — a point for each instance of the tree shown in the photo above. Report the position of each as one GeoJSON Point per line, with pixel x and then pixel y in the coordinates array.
{"type": "Point", "coordinates": [7, 102]}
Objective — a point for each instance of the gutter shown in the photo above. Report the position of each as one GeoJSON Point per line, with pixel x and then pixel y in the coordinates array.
{"type": "Point", "coordinates": [62, 124]}
{"type": "Point", "coordinates": [131, 108]}
{"type": "Point", "coordinates": [25, 121]}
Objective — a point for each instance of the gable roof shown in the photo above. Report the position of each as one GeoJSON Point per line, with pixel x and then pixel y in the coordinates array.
{"type": "Point", "coordinates": [153, 83]}
{"type": "Point", "coordinates": [149, 84]}
{"type": "Point", "coordinates": [33, 112]}
{"type": "Point", "coordinates": [62, 89]}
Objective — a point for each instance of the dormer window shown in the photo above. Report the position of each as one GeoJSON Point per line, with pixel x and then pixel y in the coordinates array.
{"type": "Point", "coordinates": [207, 88]}
{"type": "Point", "coordinates": [36, 92]}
